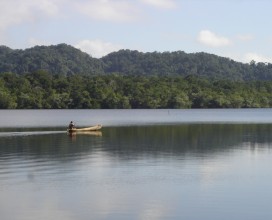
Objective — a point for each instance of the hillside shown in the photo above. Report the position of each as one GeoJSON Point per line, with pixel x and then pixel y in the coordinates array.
{"type": "Point", "coordinates": [59, 59]}
{"type": "Point", "coordinates": [176, 63]}
{"type": "Point", "coordinates": [67, 60]}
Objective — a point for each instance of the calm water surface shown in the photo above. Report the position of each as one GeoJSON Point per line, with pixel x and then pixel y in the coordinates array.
{"type": "Point", "coordinates": [146, 164]}
{"type": "Point", "coordinates": [53, 118]}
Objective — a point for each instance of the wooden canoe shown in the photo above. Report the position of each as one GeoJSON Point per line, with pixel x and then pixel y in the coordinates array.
{"type": "Point", "coordinates": [93, 128]}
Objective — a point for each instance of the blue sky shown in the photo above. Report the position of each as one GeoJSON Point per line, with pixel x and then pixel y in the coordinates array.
{"type": "Point", "coordinates": [238, 29]}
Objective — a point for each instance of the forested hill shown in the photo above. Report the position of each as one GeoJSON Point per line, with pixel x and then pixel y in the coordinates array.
{"type": "Point", "coordinates": [66, 60]}
{"type": "Point", "coordinates": [177, 64]}
{"type": "Point", "coordinates": [60, 59]}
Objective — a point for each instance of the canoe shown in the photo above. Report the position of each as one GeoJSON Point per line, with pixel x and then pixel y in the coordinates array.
{"type": "Point", "coordinates": [93, 128]}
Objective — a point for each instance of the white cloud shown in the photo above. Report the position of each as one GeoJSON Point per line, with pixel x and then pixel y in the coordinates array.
{"type": "Point", "coordinates": [12, 12]}
{"type": "Point", "coordinates": [211, 39]}
{"type": "Point", "coordinates": [257, 57]}
{"type": "Point", "coordinates": [49, 7]}
{"type": "Point", "coordinates": [15, 12]}
{"type": "Point", "coordinates": [97, 48]}
{"type": "Point", "coordinates": [109, 10]}
{"type": "Point", "coordinates": [167, 4]}
{"type": "Point", "coordinates": [245, 37]}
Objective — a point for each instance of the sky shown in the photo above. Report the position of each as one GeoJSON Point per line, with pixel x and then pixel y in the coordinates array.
{"type": "Point", "coordinates": [237, 29]}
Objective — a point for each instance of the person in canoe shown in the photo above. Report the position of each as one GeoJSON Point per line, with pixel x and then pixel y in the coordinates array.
{"type": "Point", "coordinates": [71, 125]}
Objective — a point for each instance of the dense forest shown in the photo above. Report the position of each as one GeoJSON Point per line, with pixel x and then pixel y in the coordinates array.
{"type": "Point", "coordinates": [62, 76]}
{"type": "Point", "coordinates": [66, 60]}
{"type": "Point", "coordinates": [41, 89]}
{"type": "Point", "coordinates": [60, 59]}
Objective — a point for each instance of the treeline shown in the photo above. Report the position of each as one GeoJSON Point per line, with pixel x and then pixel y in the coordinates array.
{"type": "Point", "coordinates": [66, 60]}
{"type": "Point", "coordinates": [42, 90]}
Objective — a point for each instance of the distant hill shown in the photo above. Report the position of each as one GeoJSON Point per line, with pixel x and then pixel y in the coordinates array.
{"type": "Point", "coordinates": [59, 59]}
{"type": "Point", "coordinates": [67, 60]}
{"type": "Point", "coordinates": [176, 63]}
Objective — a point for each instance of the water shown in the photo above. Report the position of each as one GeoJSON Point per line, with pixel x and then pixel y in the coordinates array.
{"type": "Point", "coordinates": [146, 164]}
{"type": "Point", "coordinates": [60, 118]}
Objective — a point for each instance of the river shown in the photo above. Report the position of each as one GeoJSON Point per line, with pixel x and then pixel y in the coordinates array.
{"type": "Point", "coordinates": [143, 164]}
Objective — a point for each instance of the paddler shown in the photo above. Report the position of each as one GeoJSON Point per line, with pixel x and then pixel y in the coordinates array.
{"type": "Point", "coordinates": [71, 125]}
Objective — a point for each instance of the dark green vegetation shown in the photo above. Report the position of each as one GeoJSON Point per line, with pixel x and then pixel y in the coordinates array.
{"type": "Point", "coordinates": [67, 60]}
{"type": "Point", "coordinates": [60, 59]}
{"type": "Point", "coordinates": [64, 77]}
{"type": "Point", "coordinates": [43, 90]}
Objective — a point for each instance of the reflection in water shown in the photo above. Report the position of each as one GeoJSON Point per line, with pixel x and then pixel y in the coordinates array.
{"type": "Point", "coordinates": [179, 140]}
{"type": "Point", "coordinates": [175, 139]}
{"type": "Point", "coordinates": [188, 171]}
{"type": "Point", "coordinates": [73, 135]}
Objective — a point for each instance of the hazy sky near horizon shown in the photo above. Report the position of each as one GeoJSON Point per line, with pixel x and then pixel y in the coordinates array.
{"type": "Point", "coordinates": [238, 29]}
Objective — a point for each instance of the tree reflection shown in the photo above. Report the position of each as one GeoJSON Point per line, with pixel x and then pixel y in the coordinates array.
{"type": "Point", "coordinates": [130, 142]}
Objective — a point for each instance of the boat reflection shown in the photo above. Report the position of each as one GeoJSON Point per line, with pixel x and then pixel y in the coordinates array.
{"type": "Point", "coordinates": [90, 133]}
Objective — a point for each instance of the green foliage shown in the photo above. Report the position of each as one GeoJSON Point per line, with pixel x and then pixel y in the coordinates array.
{"type": "Point", "coordinates": [7, 100]}
{"type": "Point", "coordinates": [60, 59]}
{"type": "Point", "coordinates": [65, 60]}
{"type": "Point", "coordinates": [42, 90]}
{"type": "Point", "coordinates": [64, 77]}
{"type": "Point", "coordinates": [181, 64]}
